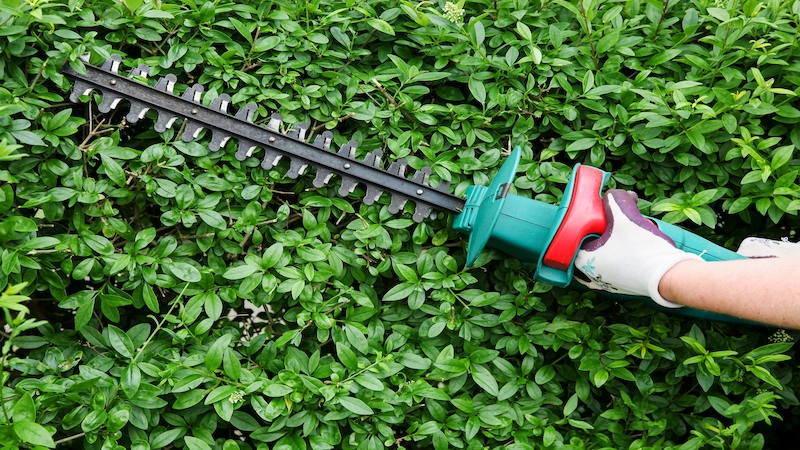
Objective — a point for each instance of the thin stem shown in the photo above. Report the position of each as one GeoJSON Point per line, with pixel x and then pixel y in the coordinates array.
{"type": "Point", "coordinates": [70, 438]}
{"type": "Point", "coordinates": [159, 326]}
{"type": "Point", "coordinates": [391, 100]}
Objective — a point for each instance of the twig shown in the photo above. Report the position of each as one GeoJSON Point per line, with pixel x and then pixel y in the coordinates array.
{"type": "Point", "coordinates": [70, 438]}
{"type": "Point", "coordinates": [322, 125]}
{"type": "Point", "coordinates": [92, 134]}
{"type": "Point", "coordinates": [391, 100]}
{"type": "Point", "coordinates": [589, 35]}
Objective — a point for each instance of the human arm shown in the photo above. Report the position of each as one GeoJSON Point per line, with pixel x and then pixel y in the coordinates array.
{"type": "Point", "coordinates": [634, 257]}
{"type": "Point", "coordinates": [765, 290]}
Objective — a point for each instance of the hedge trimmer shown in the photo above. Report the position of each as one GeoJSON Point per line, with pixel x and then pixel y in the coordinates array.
{"type": "Point", "coordinates": [545, 236]}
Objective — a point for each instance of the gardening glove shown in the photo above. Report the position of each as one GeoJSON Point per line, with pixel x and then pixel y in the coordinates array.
{"type": "Point", "coordinates": [754, 247]}
{"type": "Point", "coordinates": [631, 256]}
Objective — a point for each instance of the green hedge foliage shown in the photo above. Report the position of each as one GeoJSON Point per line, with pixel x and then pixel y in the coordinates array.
{"type": "Point", "coordinates": [129, 258]}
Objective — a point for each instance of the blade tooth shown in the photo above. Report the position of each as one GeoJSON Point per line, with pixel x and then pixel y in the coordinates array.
{"type": "Point", "coordinates": [111, 64]}
{"type": "Point", "coordinates": [298, 131]}
{"type": "Point", "coordinates": [348, 149]}
{"type": "Point", "coordinates": [142, 70]}
{"type": "Point", "coordinates": [218, 139]}
{"type": "Point", "coordinates": [323, 177]}
{"type": "Point", "coordinates": [443, 186]}
{"type": "Point", "coordinates": [421, 211]}
{"type": "Point", "coordinates": [165, 120]}
{"type": "Point", "coordinates": [109, 102]}
{"type": "Point", "coordinates": [167, 83]}
{"type": "Point", "coordinates": [271, 159]}
{"type": "Point", "coordinates": [323, 140]}
{"type": "Point", "coordinates": [348, 186]}
{"type": "Point", "coordinates": [245, 149]}
{"type": "Point", "coordinates": [81, 88]}
{"type": "Point", "coordinates": [397, 204]}
{"type": "Point", "coordinates": [191, 131]}
{"type": "Point", "coordinates": [373, 194]}
{"type": "Point", "coordinates": [421, 176]}
{"type": "Point", "coordinates": [193, 93]}
{"type": "Point", "coordinates": [296, 167]}
{"type": "Point", "coordinates": [137, 111]}
{"type": "Point", "coordinates": [398, 167]}
{"type": "Point", "coordinates": [221, 103]}
{"type": "Point", "coordinates": [246, 113]}
{"type": "Point", "coordinates": [373, 158]}
{"type": "Point", "coordinates": [275, 122]}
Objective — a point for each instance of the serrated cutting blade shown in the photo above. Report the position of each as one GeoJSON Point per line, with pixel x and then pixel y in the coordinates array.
{"type": "Point", "coordinates": [251, 137]}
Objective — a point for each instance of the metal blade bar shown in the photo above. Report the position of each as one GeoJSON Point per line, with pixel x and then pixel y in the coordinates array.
{"type": "Point", "coordinates": [115, 87]}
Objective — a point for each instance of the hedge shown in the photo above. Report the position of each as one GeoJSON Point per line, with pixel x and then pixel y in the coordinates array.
{"type": "Point", "coordinates": [162, 296]}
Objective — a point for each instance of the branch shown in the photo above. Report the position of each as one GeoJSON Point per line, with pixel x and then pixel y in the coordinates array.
{"type": "Point", "coordinates": [391, 100]}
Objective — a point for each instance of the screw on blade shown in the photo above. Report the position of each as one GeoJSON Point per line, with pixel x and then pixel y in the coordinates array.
{"type": "Point", "coordinates": [399, 201]}
{"type": "Point", "coordinates": [324, 175]}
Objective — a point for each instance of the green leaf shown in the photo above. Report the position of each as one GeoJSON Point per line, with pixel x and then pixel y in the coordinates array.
{"type": "Point", "coordinates": [165, 438]}
{"type": "Point", "coordinates": [356, 338]}
{"type": "Point", "coordinates": [239, 272]}
{"type": "Point", "coordinates": [484, 379]}
{"type": "Point", "coordinates": [113, 170]}
{"type": "Point", "coordinates": [356, 406]}
{"type": "Point", "coordinates": [545, 374]}
{"type": "Point", "coordinates": [381, 25]}
{"type": "Point", "coordinates": [120, 341]}
{"type": "Point", "coordinates": [185, 272]}
{"type": "Point", "coordinates": [600, 377]}
{"type": "Point", "coordinates": [216, 352]}
{"type": "Point", "coordinates": [99, 244]}
{"type": "Point", "coordinates": [581, 144]}
{"type": "Point", "coordinates": [662, 57]}
{"type": "Point", "coordinates": [33, 433]}
{"type": "Point", "coordinates": [24, 409]}
{"type": "Point", "coordinates": [477, 89]}
{"type": "Point", "coordinates": [192, 443]}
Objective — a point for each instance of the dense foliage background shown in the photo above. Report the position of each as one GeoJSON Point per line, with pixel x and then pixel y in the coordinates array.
{"type": "Point", "coordinates": [136, 253]}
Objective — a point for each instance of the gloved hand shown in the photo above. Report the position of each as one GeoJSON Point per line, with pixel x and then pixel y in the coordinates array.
{"type": "Point", "coordinates": [632, 254]}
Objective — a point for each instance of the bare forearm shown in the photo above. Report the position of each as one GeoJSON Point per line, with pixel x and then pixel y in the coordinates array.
{"type": "Point", "coordinates": [764, 290]}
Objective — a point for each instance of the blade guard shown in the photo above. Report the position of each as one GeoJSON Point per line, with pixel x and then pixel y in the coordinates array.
{"type": "Point", "coordinates": [532, 231]}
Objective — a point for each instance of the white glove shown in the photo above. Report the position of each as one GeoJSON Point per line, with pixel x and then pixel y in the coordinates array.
{"type": "Point", "coordinates": [632, 254]}
{"type": "Point", "coordinates": [754, 247]}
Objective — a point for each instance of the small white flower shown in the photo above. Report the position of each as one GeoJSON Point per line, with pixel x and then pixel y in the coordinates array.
{"type": "Point", "coordinates": [453, 12]}
{"type": "Point", "coordinates": [236, 397]}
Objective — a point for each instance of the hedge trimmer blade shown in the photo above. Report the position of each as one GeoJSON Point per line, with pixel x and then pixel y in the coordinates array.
{"type": "Point", "coordinates": [269, 139]}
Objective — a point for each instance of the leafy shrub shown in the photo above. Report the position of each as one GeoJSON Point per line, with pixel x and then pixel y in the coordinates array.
{"type": "Point", "coordinates": [139, 254]}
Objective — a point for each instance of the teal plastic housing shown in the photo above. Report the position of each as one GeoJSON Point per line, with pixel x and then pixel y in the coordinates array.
{"type": "Point", "coordinates": [524, 228]}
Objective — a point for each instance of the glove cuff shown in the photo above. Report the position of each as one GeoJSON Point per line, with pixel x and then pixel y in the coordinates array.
{"type": "Point", "coordinates": [652, 287]}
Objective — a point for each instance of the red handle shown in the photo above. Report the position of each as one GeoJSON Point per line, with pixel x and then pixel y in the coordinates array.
{"type": "Point", "coordinates": [585, 216]}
